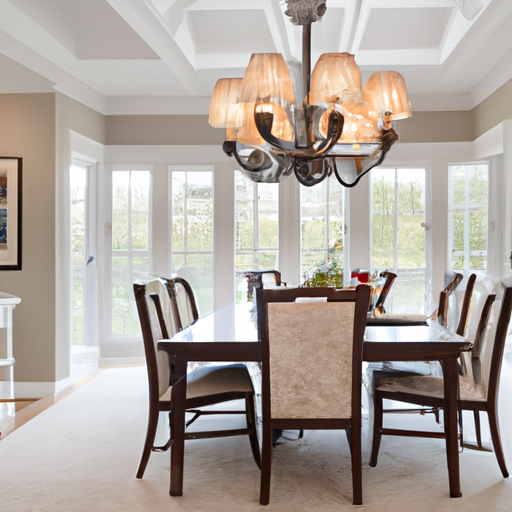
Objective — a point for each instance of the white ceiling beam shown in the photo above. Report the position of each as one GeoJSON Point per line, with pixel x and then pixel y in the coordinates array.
{"type": "Point", "coordinates": [145, 20]}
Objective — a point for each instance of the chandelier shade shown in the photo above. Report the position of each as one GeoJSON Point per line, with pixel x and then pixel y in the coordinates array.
{"type": "Point", "coordinates": [336, 79]}
{"type": "Point", "coordinates": [335, 126]}
{"type": "Point", "coordinates": [224, 105]}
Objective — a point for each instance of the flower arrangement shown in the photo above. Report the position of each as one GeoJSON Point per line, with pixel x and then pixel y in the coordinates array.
{"type": "Point", "coordinates": [324, 274]}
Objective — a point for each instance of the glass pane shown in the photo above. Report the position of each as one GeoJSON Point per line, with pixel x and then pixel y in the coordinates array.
{"type": "Point", "coordinates": [478, 239]}
{"type": "Point", "coordinates": [478, 184]}
{"type": "Point", "coordinates": [256, 229]}
{"type": "Point", "coordinates": [120, 207]}
{"type": "Point", "coordinates": [197, 269]}
{"type": "Point", "coordinates": [178, 210]}
{"type": "Point", "coordinates": [323, 227]}
{"type": "Point", "coordinates": [140, 209]}
{"type": "Point", "coordinates": [411, 214]}
{"type": "Point", "coordinates": [459, 184]}
{"type": "Point", "coordinates": [78, 189]}
{"type": "Point", "coordinates": [268, 216]}
{"type": "Point", "coordinates": [199, 211]}
{"type": "Point", "coordinates": [124, 312]}
{"type": "Point", "coordinates": [244, 208]}
{"type": "Point", "coordinates": [383, 211]}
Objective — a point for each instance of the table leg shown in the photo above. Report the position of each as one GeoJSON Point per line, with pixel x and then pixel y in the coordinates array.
{"type": "Point", "coordinates": [179, 390]}
{"type": "Point", "coordinates": [450, 371]}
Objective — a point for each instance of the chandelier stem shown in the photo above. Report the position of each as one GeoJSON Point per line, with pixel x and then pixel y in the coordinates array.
{"type": "Point", "coordinates": [306, 60]}
{"type": "Point", "coordinates": [306, 81]}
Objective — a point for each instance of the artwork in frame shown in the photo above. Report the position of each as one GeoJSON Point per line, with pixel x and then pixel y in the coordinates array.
{"type": "Point", "coordinates": [10, 213]}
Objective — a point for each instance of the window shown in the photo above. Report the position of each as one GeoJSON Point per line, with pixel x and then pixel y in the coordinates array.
{"type": "Point", "coordinates": [130, 245]}
{"type": "Point", "coordinates": [468, 201]}
{"type": "Point", "coordinates": [256, 232]}
{"type": "Point", "coordinates": [323, 227]}
{"type": "Point", "coordinates": [192, 231]}
{"type": "Point", "coordinates": [78, 174]}
{"type": "Point", "coordinates": [398, 234]}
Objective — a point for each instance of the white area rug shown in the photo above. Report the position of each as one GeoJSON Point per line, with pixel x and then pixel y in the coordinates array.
{"type": "Point", "coordinates": [82, 454]}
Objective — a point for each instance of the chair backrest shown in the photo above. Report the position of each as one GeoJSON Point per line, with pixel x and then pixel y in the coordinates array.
{"type": "Point", "coordinates": [158, 314]}
{"type": "Point", "coordinates": [312, 351]}
{"type": "Point", "coordinates": [444, 300]}
{"type": "Point", "coordinates": [488, 359]}
{"type": "Point", "coordinates": [390, 279]}
{"type": "Point", "coordinates": [465, 307]}
{"type": "Point", "coordinates": [188, 311]}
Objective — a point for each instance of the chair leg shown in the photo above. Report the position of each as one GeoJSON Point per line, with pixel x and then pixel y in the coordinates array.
{"type": "Point", "coordinates": [478, 430]}
{"type": "Point", "coordinates": [253, 428]}
{"type": "Point", "coordinates": [377, 429]}
{"type": "Point", "coordinates": [150, 439]}
{"type": "Point", "coordinates": [266, 464]}
{"type": "Point", "coordinates": [492, 413]}
{"type": "Point", "coordinates": [357, 470]}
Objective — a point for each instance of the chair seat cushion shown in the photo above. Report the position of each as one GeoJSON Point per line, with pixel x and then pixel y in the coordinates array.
{"type": "Point", "coordinates": [428, 385]}
{"type": "Point", "coordinates": [211, 380]}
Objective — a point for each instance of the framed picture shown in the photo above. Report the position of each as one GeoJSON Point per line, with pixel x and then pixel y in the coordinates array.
{"type": "Point", "coordinates": [10, 213]}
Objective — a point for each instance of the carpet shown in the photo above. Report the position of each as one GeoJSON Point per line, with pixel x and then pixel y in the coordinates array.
{"type": "Point", "coordinates": [82, 453]}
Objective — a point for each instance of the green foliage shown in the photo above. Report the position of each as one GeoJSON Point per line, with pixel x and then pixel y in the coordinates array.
{"type": "Point", "coordinates": [325, 274]}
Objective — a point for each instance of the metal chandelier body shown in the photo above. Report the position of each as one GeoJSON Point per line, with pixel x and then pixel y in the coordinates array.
{"type": "Point", "coordinates": [338, 127]}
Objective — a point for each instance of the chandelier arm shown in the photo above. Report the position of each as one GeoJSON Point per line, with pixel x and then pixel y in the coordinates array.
{"type": "Point", "coordinates": [309, 181]}
{"type": "Point", "coordinates": [388, 139]}
{"type": "Point", "coordinates": [264, 122]}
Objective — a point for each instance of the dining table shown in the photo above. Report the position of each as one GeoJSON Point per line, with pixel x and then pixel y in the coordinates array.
{"type": "Point", "coordinates": [230, 334]}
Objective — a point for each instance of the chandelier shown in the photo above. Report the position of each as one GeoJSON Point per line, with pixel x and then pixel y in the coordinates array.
{"type": "Point", "coordinates": [336, 127]}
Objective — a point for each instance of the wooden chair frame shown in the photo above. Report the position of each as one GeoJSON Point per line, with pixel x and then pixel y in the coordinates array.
{"type": "Point", "coordinates": [490, 406]}
{"type": "Point", "coordinates": [148, 305]}
{"type": "Point", "coordinates": [352, 425]}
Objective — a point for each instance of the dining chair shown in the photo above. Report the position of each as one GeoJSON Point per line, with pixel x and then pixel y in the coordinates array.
{"type": "Point", "coordinates": [158, 313]}
{"type": "Point", "coordinates": [478, 387]}
{"type": "Point", "coordinates": [325, 395]}
{"type": "Point", "coordinates": [390, 278]}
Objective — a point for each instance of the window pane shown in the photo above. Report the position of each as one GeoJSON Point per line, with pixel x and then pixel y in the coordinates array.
{"type": "Point", "coordinates": [323, 228]}
{"type": "Point", "coordinates": [398, 210]}
{"type": "Point", "coordinates": [120, 191]}
{"type": "Point", "coordinates": [130, 244]}
{"type": "Point", "coordinates": [469, 216]}
{"type": "Point", "coordinates": [139, 209]}
{"type": "Point", "coordinates": [478, 184]}
{"type": "Point", "coordinates": [192, 232]}
{"type": "Point", "coordinates": [199, 211]}
{"type": "Point", "coordinates": [459, 184]}
{"type": "Point", "coordinates": [256, 229]}
{"type": "Point", "coordinates": [383, 211]}
{"type": "Point", "coordinates": [244, 208]}
{"type": "Point", "coordinates": [411, 235]}
{"type": "Point", "coordinates": [78, 188]}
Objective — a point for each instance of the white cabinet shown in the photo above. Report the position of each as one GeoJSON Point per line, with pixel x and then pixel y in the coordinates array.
{"type": "Point", "coordinates": [7, 304]}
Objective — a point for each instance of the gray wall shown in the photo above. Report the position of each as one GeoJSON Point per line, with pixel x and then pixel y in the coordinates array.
{"type": "Point", "coordinates": [27, 130]}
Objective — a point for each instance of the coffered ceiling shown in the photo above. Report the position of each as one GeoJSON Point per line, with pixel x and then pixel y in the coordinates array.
{"type": "Point", "coordinates": [164, 56]}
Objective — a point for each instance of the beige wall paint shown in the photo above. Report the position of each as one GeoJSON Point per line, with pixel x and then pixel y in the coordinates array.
{"type": "Point", "coordinates": [492, 111]}
{"type": "Point", "coordinates": [27, 130]}
{"type": "Point", "coordinates": [161, 130]}
{"type": "Point", "coordinates": [434, 127]}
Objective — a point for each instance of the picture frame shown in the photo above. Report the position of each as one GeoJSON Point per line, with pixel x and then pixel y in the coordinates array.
{"type": "Point", "coordinates": [10, 212]}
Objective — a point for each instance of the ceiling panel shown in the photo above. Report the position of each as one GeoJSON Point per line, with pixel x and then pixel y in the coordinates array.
{"type": "Point", "coordinates": [405, 29]}
{"type": "Point", "coordinates": [227, 32]}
